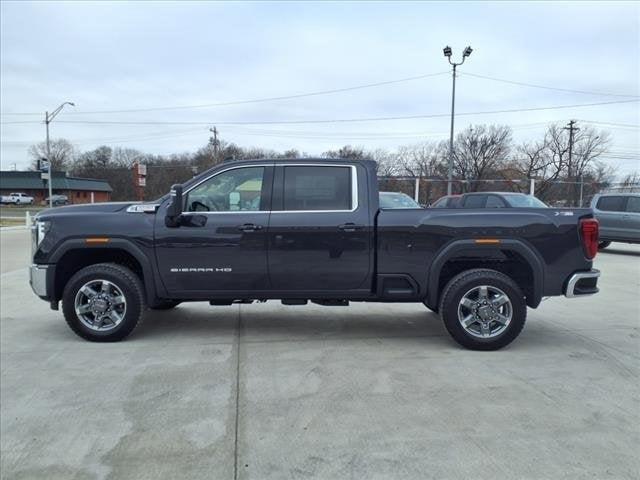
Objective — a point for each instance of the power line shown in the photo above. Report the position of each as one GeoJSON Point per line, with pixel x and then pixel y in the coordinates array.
{"type": "Point", "coordinates": [623, 125]}
{"type": "Point", "coordinates": [339, 120]}
{"type": "Point", "coordinates": [302, 134]}
{"type": "Point", "coordinates": [523, 84]}
{"type": "Point", "coordinates": [255, 100]}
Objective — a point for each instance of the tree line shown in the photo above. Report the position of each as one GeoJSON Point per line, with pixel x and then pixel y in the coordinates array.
{"type": "Point", "coordinates": [485, 157]}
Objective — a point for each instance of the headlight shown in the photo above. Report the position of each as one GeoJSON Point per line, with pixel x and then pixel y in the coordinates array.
{"type": "Point", "coordinates": [38, 232]}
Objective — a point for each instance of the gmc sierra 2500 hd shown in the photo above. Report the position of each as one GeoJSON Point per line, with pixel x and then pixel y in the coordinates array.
{"type": "Point", "coordinates": [307, 230]}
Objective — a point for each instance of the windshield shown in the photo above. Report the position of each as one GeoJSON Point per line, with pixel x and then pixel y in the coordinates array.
{"type": "Point", "coordinates": [524, 201]}
{"type": "Point", "coordinates": [397, 200]}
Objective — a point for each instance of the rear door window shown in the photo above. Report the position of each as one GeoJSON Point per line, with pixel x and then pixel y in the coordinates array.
{"type": "Point", "coordinates": [611, 204]}
{"type": "Point", "coordinates": [495, 202]}
{"type": "Point", "coordinates": [475, 201]}
{"type": "Point", "coordinates": [633, 204]}
{"type": "Point", "coordinates": [316, 187]}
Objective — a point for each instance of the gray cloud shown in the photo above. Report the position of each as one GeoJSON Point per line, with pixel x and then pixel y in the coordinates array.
{"type": "Point", "coordinates": [144, 55]}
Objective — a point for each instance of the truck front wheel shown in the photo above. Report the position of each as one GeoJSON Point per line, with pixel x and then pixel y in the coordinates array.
{"type": "Point", "coordinates": [483, 309]}
{"type": "Point", "coordinates": [103, 302]}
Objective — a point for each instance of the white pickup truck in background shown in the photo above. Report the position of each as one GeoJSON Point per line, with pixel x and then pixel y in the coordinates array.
{"type": "Point", "coordinates": [17, 199]}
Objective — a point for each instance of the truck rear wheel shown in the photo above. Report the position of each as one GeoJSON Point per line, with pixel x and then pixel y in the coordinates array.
{"type": "Point", "coordinates": [103, 302]}
{"type": "Point", "coordinates": [483, 309]}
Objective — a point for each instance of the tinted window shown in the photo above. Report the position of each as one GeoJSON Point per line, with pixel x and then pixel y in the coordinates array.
{"type": "Point", "coordinates": [239, 189]}
{"type": "Point", "coordinates": [494, 202]}
{"type": "Point", "coordinates": [317, 188]}
{"type": "Point", "coordinates": [633, 204]}
{"type": "Point", "coordinates": [611, 204]}
{"type": "Point", "coordinates": [474, 201]}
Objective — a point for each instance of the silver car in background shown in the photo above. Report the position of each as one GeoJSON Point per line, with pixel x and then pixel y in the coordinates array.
{"type": "Point", "coordinates": [619, 217]}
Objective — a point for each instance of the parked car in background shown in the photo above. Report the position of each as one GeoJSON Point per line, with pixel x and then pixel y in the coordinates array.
{"type": "Point", "coordinates": [619, 217]}
{"type": "Point", "coordinates": [490, 200]}
{"type": "Point", "coordinates": [17, 199]}
{"type": "Point", "coordinates": [57, 200]}
{"type": "Point", "coordinates": [448, 201]}
{"type": "Point", "coordinates": [397, 200]}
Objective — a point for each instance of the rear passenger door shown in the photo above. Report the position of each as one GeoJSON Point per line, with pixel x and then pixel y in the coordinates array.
{"type": "Point", "coordinates": [320, 230]}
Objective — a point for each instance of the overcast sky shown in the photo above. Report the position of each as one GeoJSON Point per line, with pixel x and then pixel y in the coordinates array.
{"type": "Point", "coordinates": [126, 56]}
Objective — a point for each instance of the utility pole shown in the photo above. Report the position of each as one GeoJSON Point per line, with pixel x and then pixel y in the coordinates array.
{"type": "Point", "coordinates": [447, 53]}
{"type": "Point", "coordinates": [49, 169]}
{"type": "Point", "coordinates": [48, 118]}
{"type": "Point", "coordinates": [215, 142]}
{"type": "Point", "coordinates": [572, 128]}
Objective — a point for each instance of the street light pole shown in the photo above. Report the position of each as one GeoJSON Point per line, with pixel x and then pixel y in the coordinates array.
{"type": "Point", "coordinates": [447, 53]}
{"type": "Point", "coordinates": [48, 118]}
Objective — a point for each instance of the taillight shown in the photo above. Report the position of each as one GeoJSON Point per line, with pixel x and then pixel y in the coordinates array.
{"type": "Point", "coordinates": [589, 230]}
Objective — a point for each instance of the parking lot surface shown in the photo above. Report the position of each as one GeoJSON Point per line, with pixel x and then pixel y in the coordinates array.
{"type": "Point", "coordinates": [373, 391]}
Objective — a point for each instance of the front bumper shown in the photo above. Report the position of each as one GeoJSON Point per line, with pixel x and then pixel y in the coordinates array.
{"type": "Point", "coordinates": [38, 280]}
{"type": "Point", "coordinates": [582, 284]}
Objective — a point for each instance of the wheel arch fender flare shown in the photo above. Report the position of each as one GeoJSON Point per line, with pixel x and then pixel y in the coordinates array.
{"type": "Point", "coordinates": [149, 281]}
{"type": "Point", "coordinates": [452, 249]}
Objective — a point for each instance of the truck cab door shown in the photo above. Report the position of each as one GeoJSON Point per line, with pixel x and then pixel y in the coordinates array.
{"type": "Point", "coordinates": [220, 245]}
{"type": "Point", "coordinates": [321, 229]}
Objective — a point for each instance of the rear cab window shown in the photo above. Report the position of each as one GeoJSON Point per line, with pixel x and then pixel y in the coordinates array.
{"type": "Point", "coordinates": [318, 188]}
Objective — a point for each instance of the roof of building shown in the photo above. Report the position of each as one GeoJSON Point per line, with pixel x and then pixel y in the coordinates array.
{"type": "Point", "coordinates": [11, 180]}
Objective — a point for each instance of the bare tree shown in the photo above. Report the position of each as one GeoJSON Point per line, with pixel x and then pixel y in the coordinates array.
{"type": "Point", "coordinates": [386, 163]}
{"type": "Point", "coordinates": [548, 161]}
{"type": "Point", "coordinates": [425, 159]}
{"type": "Point", "coordinates": [62, 153]}
{"type": "Point", "coordinates": [480, 151]}
{"type": "Point", "coordinates": [348, 152]}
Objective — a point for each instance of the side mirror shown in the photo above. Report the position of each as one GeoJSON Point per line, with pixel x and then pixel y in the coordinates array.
{"type": "Point", "coordinates": [174, 210]}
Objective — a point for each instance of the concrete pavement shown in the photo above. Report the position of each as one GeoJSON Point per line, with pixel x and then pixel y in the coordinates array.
{"type": "Point", "coordinates": [264, 391]}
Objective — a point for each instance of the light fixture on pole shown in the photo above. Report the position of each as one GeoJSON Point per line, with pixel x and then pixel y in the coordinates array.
{"type": "Point", "coordinates": [447, 53]}
{"type": "Point", "coordinates": [48, 118]}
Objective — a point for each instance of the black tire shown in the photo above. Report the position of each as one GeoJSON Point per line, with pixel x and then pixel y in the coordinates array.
{"type": "Point", "coordinates": [125, 280]}
{"type": "Point", "coordinates": [462, 283]}
{"type": "Point", "coordinates": [603, 244]}
{"type": "Point", "coordinates": [165, 305]}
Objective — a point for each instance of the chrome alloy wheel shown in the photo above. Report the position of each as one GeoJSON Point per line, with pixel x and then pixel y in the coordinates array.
{"type": "Point", "coordinates": [100, 305]}
{"type": "Point", "coordinates": [485, 311]}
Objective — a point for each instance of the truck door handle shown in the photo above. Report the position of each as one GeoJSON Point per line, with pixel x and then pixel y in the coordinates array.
{"type": "Point", "coordinates": [249, 227]}
{"type": "Point", "coordinates": [350, 227]}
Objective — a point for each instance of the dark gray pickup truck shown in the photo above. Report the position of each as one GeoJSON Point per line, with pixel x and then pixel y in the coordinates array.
{"type": "Point", "coordinates": [307, 230]}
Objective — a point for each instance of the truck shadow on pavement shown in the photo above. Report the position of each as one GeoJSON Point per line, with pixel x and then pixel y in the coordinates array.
{"type": "Point", "coordinates": [292, 323]}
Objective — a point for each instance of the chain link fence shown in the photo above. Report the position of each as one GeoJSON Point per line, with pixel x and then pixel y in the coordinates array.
{"type": "Point", "coordinates": [557, 193]}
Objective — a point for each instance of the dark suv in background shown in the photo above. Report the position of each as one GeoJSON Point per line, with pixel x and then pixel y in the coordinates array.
{"type": "Point", "coordinates": [619, 217]}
